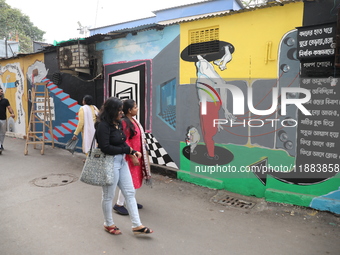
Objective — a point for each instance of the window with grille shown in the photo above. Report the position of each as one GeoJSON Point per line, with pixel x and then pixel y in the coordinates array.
{"type": "Point", "coordinates": [204, 41]}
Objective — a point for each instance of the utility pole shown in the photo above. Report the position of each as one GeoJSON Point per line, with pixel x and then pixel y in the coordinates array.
{"type": "Point", "coordinates": [6, 47]}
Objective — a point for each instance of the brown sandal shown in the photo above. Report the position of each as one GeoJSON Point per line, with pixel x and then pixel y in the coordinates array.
{"type": "Point", "coordinates": [112, 230]}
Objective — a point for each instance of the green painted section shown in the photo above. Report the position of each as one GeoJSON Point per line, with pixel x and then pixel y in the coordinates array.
{"type": "Point", "coordinates": [246, 183]}
{"type": "Point", "coordinates": [281, 192]}
{"type": "Point", "coordinates": [288, 197]}
{"type": "Point", "coordinates": [317, 189]}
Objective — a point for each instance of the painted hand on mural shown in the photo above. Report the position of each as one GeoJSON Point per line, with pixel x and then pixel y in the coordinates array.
{"type": "Point", "coordinates": [219, 127]}
{"type": "Point", "coordinates": [229, 115]}
{"type": "Point", "coordinates": [222, 63]}
{"type": "Point", "coordinates": [36, 72]}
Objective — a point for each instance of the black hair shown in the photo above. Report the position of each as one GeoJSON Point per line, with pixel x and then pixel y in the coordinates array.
{"type": "Point", "coordinates": [88, 100]}
{"type": "Point", "coordinates": [127, 105]}
{"type": "Point", "coordinates": [110, 110]}
{"type": "Point", "coordinates": [190, 127]}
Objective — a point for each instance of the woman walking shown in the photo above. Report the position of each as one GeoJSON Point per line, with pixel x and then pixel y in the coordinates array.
{"type": "Point", "coordinates": [87, 117]}
{"type": "Point", "coordinates": [135, 137]}
{"type": "Point", "coordinates": [112, 141]}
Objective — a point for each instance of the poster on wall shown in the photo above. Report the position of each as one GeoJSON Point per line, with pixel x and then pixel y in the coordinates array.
{"type": "Point", "coordinates": [318, 140]}
{"type": "Point", "coordinates": [41, 105]}
{"type": "Point", "coordinates": [316, 50]}
{"type": "Point", "coordinates": [316, 41]}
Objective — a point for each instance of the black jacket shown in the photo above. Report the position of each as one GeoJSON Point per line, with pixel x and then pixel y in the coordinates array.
{"type": "Point", "coordinates": [110, 140]}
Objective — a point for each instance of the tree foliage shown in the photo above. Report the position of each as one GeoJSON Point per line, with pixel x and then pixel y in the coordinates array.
{"type": "Point", "coordinates": [13, 24]}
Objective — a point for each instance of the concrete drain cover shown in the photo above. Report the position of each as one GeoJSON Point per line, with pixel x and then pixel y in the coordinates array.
{"type": "Point", "coordinates": [54, 180]}
{"type": "Point", "coordinates": [235, 202]}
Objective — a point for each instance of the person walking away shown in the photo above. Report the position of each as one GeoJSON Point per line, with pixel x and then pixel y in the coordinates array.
{"type": "Point", "coordinates": [87, 115]}
{"type": "Point", "coordinates": [4, 105]}
{"type": "Point", "coordinates": [112, 141]}
{"type": "Point", "coordinates": [135, 138]}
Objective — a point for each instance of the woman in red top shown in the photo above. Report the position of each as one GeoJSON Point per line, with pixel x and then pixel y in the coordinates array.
{"type": "Point", "coordinates": [135, 137]}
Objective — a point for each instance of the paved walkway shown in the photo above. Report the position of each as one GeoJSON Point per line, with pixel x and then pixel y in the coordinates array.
{"type": "Point", "coordinates": [45, 209]}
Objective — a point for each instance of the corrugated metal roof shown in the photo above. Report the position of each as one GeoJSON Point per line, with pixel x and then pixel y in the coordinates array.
{"type": "Point", "coordinates": [125, 22]}
{"type": "Point", "coordinates": [176, 12]}
{"type": "Point", "coordinates": [141, 28]}
{"type": "Point", "coordinates": [205, 16]}
{"type": "Point", "coordinates": [184, 5]}
{"type": "Point", "coordinates": [195, 3]}
{"type": "Point", "coordinates": [229, 12]}
{"type": "Point", "coordinates": [196, 17]}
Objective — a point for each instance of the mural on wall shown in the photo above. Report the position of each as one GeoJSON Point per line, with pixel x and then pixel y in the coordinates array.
{"type": "Point", "coordinates": [12, 83]}
{"type": "Point", "coordinates": [192, 139]}
{"type": "Point", "coordinates": [36, 73]}
{"type": "Point", "coordinates": [259, 122]}
{"type": "Point", "coordinates": [327, 202]}
{"type": "Point", "coordinates": [129, 83]}
{"type": "Point", "coordinates": [282, 131]}
{"type": "Point", "coordinates": [18, 90]}
{"type": "Point", "coordinates": [254, 133]}
{"type": "Point", "coordinates": [132, 80]}
{"type": "Point", "coordinates": [210, 102]}
{"type": "Point", "coordinates": [127, 80]}
{"type": "Point", "coordinates": [166, 105]}
{"type": "Point", "coordinates": [135, 78]}
{"type": "Point", "coordinates": [13, 80]}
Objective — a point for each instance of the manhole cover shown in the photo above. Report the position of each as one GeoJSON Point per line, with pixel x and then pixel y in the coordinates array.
{"type": "Point", "coordinates": [54, 180]}
{"type": "Point", "coordinates": [235, 202]}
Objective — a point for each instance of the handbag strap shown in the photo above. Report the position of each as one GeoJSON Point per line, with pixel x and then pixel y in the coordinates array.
{"type": "Point", "coordinates": [92, 144]}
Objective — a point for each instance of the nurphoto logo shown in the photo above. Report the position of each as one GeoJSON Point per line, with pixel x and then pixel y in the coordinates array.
{"type": "Point", "coordinates": [238, 106]}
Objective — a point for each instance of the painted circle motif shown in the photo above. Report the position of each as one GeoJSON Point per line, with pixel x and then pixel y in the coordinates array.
{"type": "Point", "coordinates": [200, 155]}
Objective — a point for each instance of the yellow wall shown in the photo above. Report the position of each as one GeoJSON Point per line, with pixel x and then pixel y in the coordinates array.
{"type": "Point", "coordinates": [16, 70]}
{"type": "Point", "coordinates": [249, 32]}
{"type": "Point", "coordinates": [30, 60]}
{"type": "Point", "coordinates": [10, 76]}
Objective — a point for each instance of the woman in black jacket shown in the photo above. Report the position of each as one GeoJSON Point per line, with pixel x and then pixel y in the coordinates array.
{"type": "Point", "coordinates": [111, 141]}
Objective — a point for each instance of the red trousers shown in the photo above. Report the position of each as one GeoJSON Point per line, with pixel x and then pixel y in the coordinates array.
{"type": "Point", "coordinates": [207, 125]}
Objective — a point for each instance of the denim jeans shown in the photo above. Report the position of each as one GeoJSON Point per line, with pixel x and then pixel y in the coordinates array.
{"type": "Point", "coordinates": [121, 198]}
{"type": "Point", "coordinates": [3, 128]}
{"type": "Point", "coordinates": [122, 178]}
